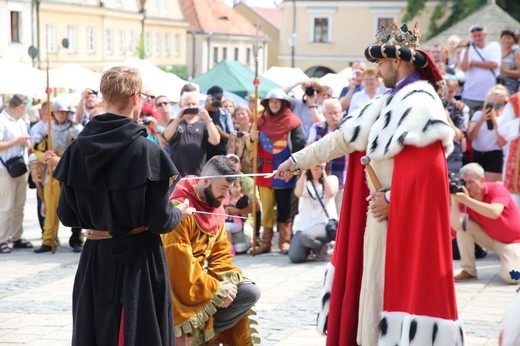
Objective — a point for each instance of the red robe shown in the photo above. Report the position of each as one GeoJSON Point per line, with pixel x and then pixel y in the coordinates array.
{"type": "Point", "coordinates": [348, 257]}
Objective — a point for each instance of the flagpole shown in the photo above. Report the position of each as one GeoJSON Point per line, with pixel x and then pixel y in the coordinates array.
{"type": "Point", "coordinates": [51, 207]}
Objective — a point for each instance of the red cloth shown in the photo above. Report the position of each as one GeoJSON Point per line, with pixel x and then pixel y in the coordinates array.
{"type": "Point", "coordinates": [419, 268]}
{"type": "Point", "coordinates": [185, 189]}
{"type": "Point", "coordinates": [276, 127]}
{"type": "Point", "coordinates": [348, 257]}
{"type": "Point", "coordinates": [431, 73]}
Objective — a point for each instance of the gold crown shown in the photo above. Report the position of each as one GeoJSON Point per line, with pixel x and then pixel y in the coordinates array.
{"type": "Point", "coordinates": [396, 36]}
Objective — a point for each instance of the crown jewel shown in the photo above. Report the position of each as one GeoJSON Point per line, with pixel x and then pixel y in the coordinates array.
{"type": "Point", "coordinates": [395, 36]}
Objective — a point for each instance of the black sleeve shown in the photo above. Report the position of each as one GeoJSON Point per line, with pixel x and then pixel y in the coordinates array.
{"type": "Point", "coordinates": [297, 139]}
{"type": "Point", "coordinates": [161, 215]}
{"type": "Point", "coordinates": [65, 212]}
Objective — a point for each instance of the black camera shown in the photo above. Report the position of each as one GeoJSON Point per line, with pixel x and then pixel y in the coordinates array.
{"type": "Point", "coordinates": [455, 183]}
{"type": "Point", "coordinates": [240, 134]}
{"type": "Point", "coordinates": [309, 91]}
{"type": "Point", "coordinates": [215, 103]}
{"type": "Point", "coordinates": [191, 111]}
{"type": "Point", "coordinates": [489, 122]}
{"type": "Point", "coordinates": [146, 121]}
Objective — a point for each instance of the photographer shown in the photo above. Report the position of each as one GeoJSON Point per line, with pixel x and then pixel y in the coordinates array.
{"type": "Point", "coordinates": [316, 191]}
{"type": "Point", "coordinates": [308, 109]}
{"type": "Point", "coordinates": [189, 135]}
{"type": "Point", "coordinates": [221, 119]}
{"type": "Point", "coordinates": [481, 63]}
{"type": "Point", "coordinates": [485, 138]}
{"type": "Point", "coordinates": [490, 218]}
{"type": "Point", "coordinates": [237, 139]}
{"type": "Point", "coordinates": [458, 118]}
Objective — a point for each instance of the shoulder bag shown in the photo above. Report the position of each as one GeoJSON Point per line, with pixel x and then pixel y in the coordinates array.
{"type": "Point", "coordinates": [332, 225]}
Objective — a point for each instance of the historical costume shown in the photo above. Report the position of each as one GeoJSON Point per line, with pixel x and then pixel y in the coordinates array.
{"type": "Point", "coordinates": [198, 252]}
{"type": "Point", "coordinates": [407, 269]}
{"type": "Point", "coordinates": [115, 180]}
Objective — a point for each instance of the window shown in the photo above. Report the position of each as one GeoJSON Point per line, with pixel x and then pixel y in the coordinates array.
{"type": "Point", "coordinates": [236, 54]}
{"type": "Point", "coordinates": [108, 42]}
{"type": "Point", "coordinates": [177, 44]}
{"type": "Point", "coordinates": [215, 55]}
{"type": "Point", "coordinates": [15, 27]}
{"type": "Point", "coordinates": [386, 21]}
{"type": "Point", "coordinates": [167, 45]}
{"type": "Point", "coordinates": [248, 56]}
{"type": "Point", "coordinates": [91, 39]}
{"type": "Point", "coordinates": [148, 43]}
{"type": "Point", "coordinates": [157, 5]}
{"type": "Point", "coordinates": [158, 44]}
{"type": "Point", "coordinates": [121, 42]}
{"type": "Point", "coordinates": [321, 29]}
{"type": "Point", "coordinates": [224, 53]}
{"type": "Point", "coordinates": [133, 42]}
{"type": "Point", "coordinates": [71, 35]}
{"type": "Point", "coordinates": [50, 35]}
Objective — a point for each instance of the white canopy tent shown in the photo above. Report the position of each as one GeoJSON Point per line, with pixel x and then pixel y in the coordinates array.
{"type": "Point", "coordinates": [156, 80]}
{"type": "Point", "coordinates": [74, 76]}
{"type": "Point", "coordinates": [20, 78]}
{"type": "Point", "coordinates": [337, 81]}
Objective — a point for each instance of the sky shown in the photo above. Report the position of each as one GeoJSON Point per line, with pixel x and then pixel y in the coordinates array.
{"type": "Point", "coordinates": [255, 3]}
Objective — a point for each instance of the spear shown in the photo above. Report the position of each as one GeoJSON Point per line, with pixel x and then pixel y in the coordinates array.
{"type": "Point", "coordinates": [256, 83]}
{"type": "Point", "coordinates": [51, 207]}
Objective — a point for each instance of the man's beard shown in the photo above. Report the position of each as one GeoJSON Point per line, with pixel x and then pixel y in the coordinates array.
{"type": "Point", "coordinates": [390, 81]}
{"type": "Point", "coordinates": [210, 198]}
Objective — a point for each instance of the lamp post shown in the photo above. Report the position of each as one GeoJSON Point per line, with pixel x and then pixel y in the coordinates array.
{"type": "Point", "coordinates": [292, 44]}
{"type": "Point", "coordinates": [142, 10]}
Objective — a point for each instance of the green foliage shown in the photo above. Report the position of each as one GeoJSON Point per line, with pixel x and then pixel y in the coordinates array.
{"type": "Point", "coordinates": [412, 9]}
{"type": "Point", "coordinates": [459, 10]}
{"type": "Point", "coordinates": [180, 70]}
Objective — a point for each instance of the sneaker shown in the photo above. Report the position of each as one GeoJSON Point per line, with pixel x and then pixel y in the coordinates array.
{"type": "Point", "coordinates": [22, 244]}
{"type": "Point", "coordinates": [464, 276]}
{"type": "Point", "coordinates": [43, 248]}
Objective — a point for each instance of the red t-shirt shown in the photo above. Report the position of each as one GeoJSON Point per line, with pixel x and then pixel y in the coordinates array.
{"type": "Point", "coordinates": [506, 228]}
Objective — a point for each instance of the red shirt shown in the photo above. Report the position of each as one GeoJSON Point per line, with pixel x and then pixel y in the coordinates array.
{"type": "Point", "coordinates": [506, 228]}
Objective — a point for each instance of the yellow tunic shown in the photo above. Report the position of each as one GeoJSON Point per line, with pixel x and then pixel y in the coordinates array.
{"type": "Point", "coordinates": [198, 264]}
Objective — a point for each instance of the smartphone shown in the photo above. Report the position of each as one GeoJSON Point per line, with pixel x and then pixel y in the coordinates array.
{"type": "Point", "coordinates": [489, 122]}
{"type": "Point", "coordinates": [191, 111]}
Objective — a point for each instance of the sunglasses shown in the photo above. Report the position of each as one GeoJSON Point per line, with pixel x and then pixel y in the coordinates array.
{"type": "Point", "coordinates": [494, 105]}
{"type": "Point", "coordinates": [160, 104]}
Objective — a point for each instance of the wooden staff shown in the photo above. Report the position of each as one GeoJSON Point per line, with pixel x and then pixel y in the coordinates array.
{"type": "Point", "coordinates": [254, 127]}
{"type": "Point", "coordinates": [51, 207]}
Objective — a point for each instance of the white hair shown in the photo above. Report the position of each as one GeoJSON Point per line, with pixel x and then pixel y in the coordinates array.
{"type": "Point", "coordinates": [189, 95]}
{"type": "Point", "coordinates": [474, 169]}
{"type": "Point", "coordinates": [330, 103]}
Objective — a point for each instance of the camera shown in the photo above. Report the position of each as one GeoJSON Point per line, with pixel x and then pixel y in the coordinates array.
{"type": "Point", "coordinates": [489, 122]}
{"type": "Point", "coordinates": [146, 121]}
{"type": "Point", "coordinates": [191, 111]}
{"type": "Point", "coordinates": [309, 91]}
{"type": "Point", "coordinates": [455, 183]}
{"type": "Point", "coordinates": [240, 134]}
{"type": "Point", "coordinates": [215, 103]}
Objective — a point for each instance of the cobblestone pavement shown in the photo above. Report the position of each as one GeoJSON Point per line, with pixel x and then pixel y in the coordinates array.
{"type": "Point", "coordinates": [35, 295]}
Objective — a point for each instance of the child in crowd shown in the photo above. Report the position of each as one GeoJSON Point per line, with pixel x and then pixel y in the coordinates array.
{"type": "Point", "coordinates": [233, 203]}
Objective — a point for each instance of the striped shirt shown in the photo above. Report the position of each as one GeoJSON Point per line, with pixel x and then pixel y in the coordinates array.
{"type": "Point", "coordinates": [11, 128]}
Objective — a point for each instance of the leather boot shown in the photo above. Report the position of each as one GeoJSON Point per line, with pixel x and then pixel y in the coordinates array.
{"type": "Point", "coordinates": [284, 240]}
{"type": "Point", "coordinates": [266, 242]}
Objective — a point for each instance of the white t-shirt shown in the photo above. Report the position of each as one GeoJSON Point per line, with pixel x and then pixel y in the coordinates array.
{"type": "Point", "coordinates": [11, 128]}
{"type": "Point", "coordinates": [310, 211]}
{"type": "Point", "coordinates": [485, 140]}
{"type": "Point", "coordinates": [359, 99]}
{"type": "Point", "coordinates": [478, 81]}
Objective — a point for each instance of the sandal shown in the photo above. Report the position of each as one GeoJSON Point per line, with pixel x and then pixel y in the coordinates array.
{"type": "Point", "coordinates": [22, 244]}
{"type": "Point", "coordinates": [4, 248]}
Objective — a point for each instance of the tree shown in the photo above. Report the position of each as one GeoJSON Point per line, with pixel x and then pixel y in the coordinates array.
{"type": "Point", "coordinates": [459, 10]}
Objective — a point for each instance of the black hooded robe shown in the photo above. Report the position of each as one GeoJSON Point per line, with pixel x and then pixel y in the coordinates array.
{"type": "Point", "coordinates": [115, 179]}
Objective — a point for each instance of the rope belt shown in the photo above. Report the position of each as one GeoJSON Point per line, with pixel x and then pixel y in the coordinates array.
{"type": "Point", "coordinates": [93, 234]}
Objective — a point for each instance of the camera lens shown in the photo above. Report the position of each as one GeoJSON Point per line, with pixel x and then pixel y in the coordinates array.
{"type": "Point", "coordinates": [240, 134]}
{"type": "Point", "coordinates": [309, 91]}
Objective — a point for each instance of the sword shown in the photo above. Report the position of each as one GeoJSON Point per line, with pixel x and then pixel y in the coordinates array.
{"type": "Point", "coordinates": [365, 161]}
{"type": "Point", "coordinates": [267, 175]}
{"type": "Point", "coordinates": [219, 214]}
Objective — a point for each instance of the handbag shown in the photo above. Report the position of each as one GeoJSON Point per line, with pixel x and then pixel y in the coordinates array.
{"type": "Point", "coordinates": [332, 225]}
{"type": "Point", "coordinates": [15, 166]}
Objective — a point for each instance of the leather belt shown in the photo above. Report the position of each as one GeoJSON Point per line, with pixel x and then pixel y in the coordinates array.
{"type": "Point", "coordinates": [93, 234]}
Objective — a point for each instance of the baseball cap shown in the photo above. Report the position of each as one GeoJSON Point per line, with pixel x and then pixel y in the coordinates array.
{"type": "Point", "coordinates": [215, 91]}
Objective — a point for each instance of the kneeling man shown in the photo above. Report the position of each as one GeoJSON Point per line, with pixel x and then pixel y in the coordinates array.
{"type": "Point", "coordinates": [211, 298]}
{"type": "Point", "coordinates": [490, 218]}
